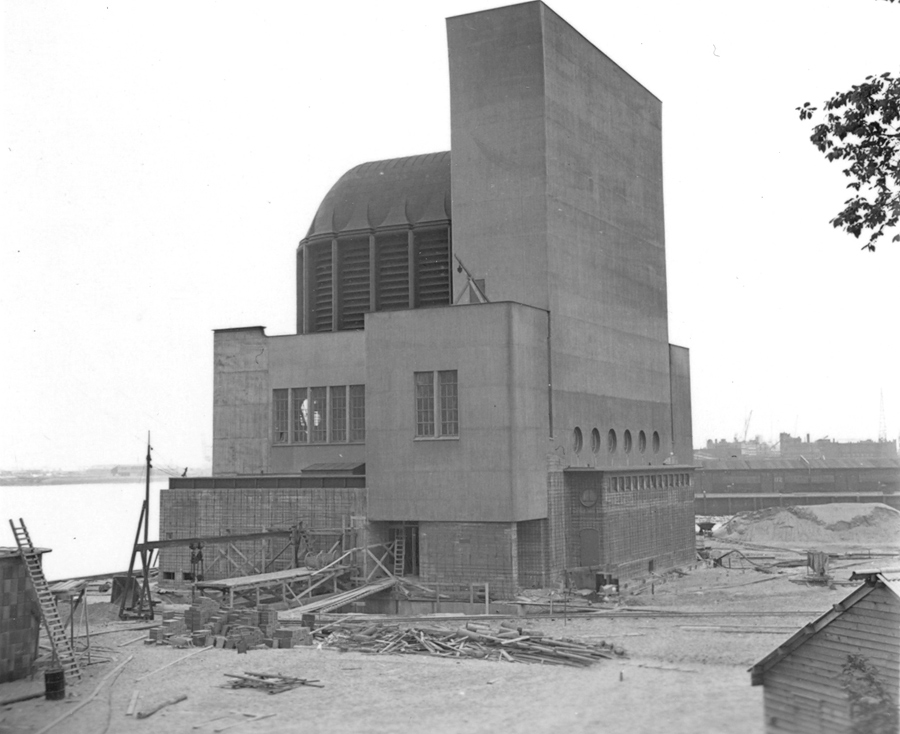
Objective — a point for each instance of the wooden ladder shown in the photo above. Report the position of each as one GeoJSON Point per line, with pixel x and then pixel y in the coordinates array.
{"type": "Point", "coordinates": [62, 650]}
{"type": "Point", "coordinates": [399, 555]}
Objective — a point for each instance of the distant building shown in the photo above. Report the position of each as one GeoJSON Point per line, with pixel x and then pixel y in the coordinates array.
{"type": "Point", "coordinates": [792, 447]}
{"type": "Point", "coordinates": [481, 370]}
{"type": "Point", "coordinates": [728, 486]}
{"type": "Point", "coordinates": [722, 449]}
{"type": "Point", "coordinates": [840, 673]}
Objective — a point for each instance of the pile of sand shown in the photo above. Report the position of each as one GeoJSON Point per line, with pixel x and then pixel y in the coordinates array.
{"type": "Point", "coordinates": [850, 523]}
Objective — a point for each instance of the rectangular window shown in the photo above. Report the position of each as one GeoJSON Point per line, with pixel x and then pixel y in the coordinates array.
{"type": "Point", "coordinates": [437, 404]}
{"type": "Point", "coordinates": [299, 415]}
{"type": "Point", "coordinates": [318, 413]}
{"type": "Point", "coordinates": [357, 412]}
{"type": "Point", "coordinates": [424, 404]}
{"type": "Point", "coordinates": [280, 416]}
{"type": "Point", "coordinates": [449, 403]}
{"type": "Point", "coordinates": [339, 414]}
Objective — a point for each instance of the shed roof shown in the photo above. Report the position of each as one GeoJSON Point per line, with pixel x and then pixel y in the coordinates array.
{"type": "Point", "coordinates": [399, 192]}
{"type": "Point", "coordinates": [874, 580]}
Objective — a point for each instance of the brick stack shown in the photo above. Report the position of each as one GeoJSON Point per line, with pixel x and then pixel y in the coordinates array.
{"type": "Point", "coordinates": [292, 637]}
{"type": "Point", "coordinates": [20, 618]}
{"type": "Point", "coordinates": [203, 624]}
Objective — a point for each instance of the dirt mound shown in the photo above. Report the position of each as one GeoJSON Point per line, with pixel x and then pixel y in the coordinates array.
{"type": "Point", "coordinates": [866, 524]}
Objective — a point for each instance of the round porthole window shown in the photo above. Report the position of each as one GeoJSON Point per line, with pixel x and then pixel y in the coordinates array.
{"type": "Point", "coordinates": [626, 442]}
{"type": "Point", "coordinates": [595, 441]}
{"type": "Point", "coordinates": [577, 440]}
{"type": "Point", "coordinates": [642, 442]}
{"type": "Point", "coordinates": [589, 498]}
{"type": "Point", "coordinates": [611, 441]}
{"type": "Point", "coordinates": [655, 442]}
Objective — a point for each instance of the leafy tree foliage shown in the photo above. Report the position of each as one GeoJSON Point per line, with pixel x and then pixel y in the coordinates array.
{"type": "Point", "coordinates": [872, 708]}
{"type": "Point", "coordinates": [861, 127]}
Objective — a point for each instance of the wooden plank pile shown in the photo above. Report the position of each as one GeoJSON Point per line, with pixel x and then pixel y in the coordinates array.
{"type": "Point", "coordinates": [508, 642]}
{"type": "Point", "coordinates": [269, 682]}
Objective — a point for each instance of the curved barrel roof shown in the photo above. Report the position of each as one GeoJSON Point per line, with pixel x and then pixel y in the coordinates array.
{"type": "Point", "coordinates": [382, 194]}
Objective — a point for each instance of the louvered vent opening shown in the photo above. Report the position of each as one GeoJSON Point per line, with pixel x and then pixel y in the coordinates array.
{"type": "Point", "coordinates": [432, 267]}
{"type": "Point", "coordinates": [353, 256]}
{"type": "Point", "coordinates": [392, 256]}
{"type": "Point", "coordinates": [321, 307]}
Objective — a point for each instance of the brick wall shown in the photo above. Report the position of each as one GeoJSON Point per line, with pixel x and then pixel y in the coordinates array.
{"type": "Point", "coordinates": [188, 513]}
{"type": "Point", "coordinates": [467, 552]}
{"type": "Point", "coordinates": [557, 520]}
{"type": "Point", "coordinates": [20, 619]}
{"type": "Point", "coordinates": [645, 525]}
{"type": "Point", "coordinates": [534, 570]}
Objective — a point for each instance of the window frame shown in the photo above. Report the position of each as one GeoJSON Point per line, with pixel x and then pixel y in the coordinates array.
{"type": "Point", "coordinates": [288, 419]}
{"type": "Point", "coordinates": [436, 405]}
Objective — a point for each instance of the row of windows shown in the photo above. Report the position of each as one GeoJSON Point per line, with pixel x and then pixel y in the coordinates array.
{"type": "Point", "coordinates": [437, 404]}
{"type": "Point", "coordinates": [612, 441]}
{"type": "Point", "coordinates": [319, 414]}
{"type": "Point", "coordinates": [649, 481]}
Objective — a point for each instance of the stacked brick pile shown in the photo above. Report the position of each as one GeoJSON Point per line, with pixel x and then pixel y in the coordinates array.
{"type": "Point", "coordinates": [204, 623]}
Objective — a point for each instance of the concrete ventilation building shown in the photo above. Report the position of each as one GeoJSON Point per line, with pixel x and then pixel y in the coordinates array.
{"type": "Point", "coordinates": [481, 366]}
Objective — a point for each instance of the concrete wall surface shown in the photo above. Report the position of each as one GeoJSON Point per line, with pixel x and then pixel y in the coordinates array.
{"type": "Point", "coordinates": [494, 470]}
{"type": "Point", "coordinates": [605, 244]}
{"type": "Point", "coordinates": [498, 163]}
{"type": "Point", "coordinates": [682, 417]}
{"type": "Point", "coordinates": [315, 360]}
{"type": "Point", "coordinates": [241, 399]}
{"type": "Point", "coordinates": [556, 176]}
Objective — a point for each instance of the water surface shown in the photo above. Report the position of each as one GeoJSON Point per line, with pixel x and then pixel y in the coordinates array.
{"type": "Point", "coordinates": [89, 527]}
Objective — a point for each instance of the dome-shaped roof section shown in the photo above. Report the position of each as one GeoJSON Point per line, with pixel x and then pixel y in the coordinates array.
{"type": "Point", "coordinates": [396, 192]}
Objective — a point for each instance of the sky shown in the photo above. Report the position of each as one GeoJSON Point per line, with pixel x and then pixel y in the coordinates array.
{"type": "Point", "coordinates": [163, 160]}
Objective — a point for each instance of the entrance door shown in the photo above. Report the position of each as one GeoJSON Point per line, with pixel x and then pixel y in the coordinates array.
{"type": "Point", "coordinates": [589, 540]}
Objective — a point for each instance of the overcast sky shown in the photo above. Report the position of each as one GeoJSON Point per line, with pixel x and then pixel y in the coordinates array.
{"type": "Point", "coordinates": [163, 160]}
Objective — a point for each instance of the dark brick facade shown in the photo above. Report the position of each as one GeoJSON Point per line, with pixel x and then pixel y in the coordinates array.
{"type": "Point", "coordinates": [20, 618]}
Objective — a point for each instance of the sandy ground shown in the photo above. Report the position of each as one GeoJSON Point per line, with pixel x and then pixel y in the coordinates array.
{"type": "Point", "coordinates": [686, 671]}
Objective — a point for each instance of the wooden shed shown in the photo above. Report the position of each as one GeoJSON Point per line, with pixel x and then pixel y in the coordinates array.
{"type": "Point", "coordinates": [840, 673]}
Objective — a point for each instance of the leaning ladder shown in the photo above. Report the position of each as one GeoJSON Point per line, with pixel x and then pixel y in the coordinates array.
{"type": "Point", "coordinates": [399, 555]}
{"type": "Point", "coordinates": [62, 650]}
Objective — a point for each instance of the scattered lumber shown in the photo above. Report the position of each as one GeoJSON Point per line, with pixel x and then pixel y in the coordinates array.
{"type": "Point", "coordinates": [169, 702]}
{"type": "Point", "coordinates": [475, 640]}
{"type": "Point", "coordinates": [90, 698]}
{"type": "Point", "coordinates": [269, 682]}
{"type": "Point", "coordinates": [132, 704]}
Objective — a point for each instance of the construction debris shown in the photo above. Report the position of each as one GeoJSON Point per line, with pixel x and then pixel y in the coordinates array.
{"type": "Point", "coordinates": [150, 712]}
{"type": "Point", "coordinates": [270, 682]}
{"type": "Point", "coordinates": [205, 624]}
{"type": "Point", "coordinates": [509, 642]}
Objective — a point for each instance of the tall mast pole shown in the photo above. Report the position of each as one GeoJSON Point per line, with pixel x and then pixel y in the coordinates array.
{"type": "Point", "coordinates": [147, 493]}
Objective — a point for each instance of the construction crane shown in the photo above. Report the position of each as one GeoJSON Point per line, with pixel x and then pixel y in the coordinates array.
{"type": "Point", "coordinates": [747, 426]}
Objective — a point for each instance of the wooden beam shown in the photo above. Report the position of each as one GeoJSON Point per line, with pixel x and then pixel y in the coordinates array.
{"type": "Point", "coordinates": [211, 539]}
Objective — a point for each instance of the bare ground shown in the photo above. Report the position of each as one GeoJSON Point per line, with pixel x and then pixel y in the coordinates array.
{"type": "Point", "coordinates": [686, 672]}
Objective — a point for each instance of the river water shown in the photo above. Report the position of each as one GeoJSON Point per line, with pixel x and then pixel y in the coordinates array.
{"type": "Point", "coordinates": [89, 527]}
